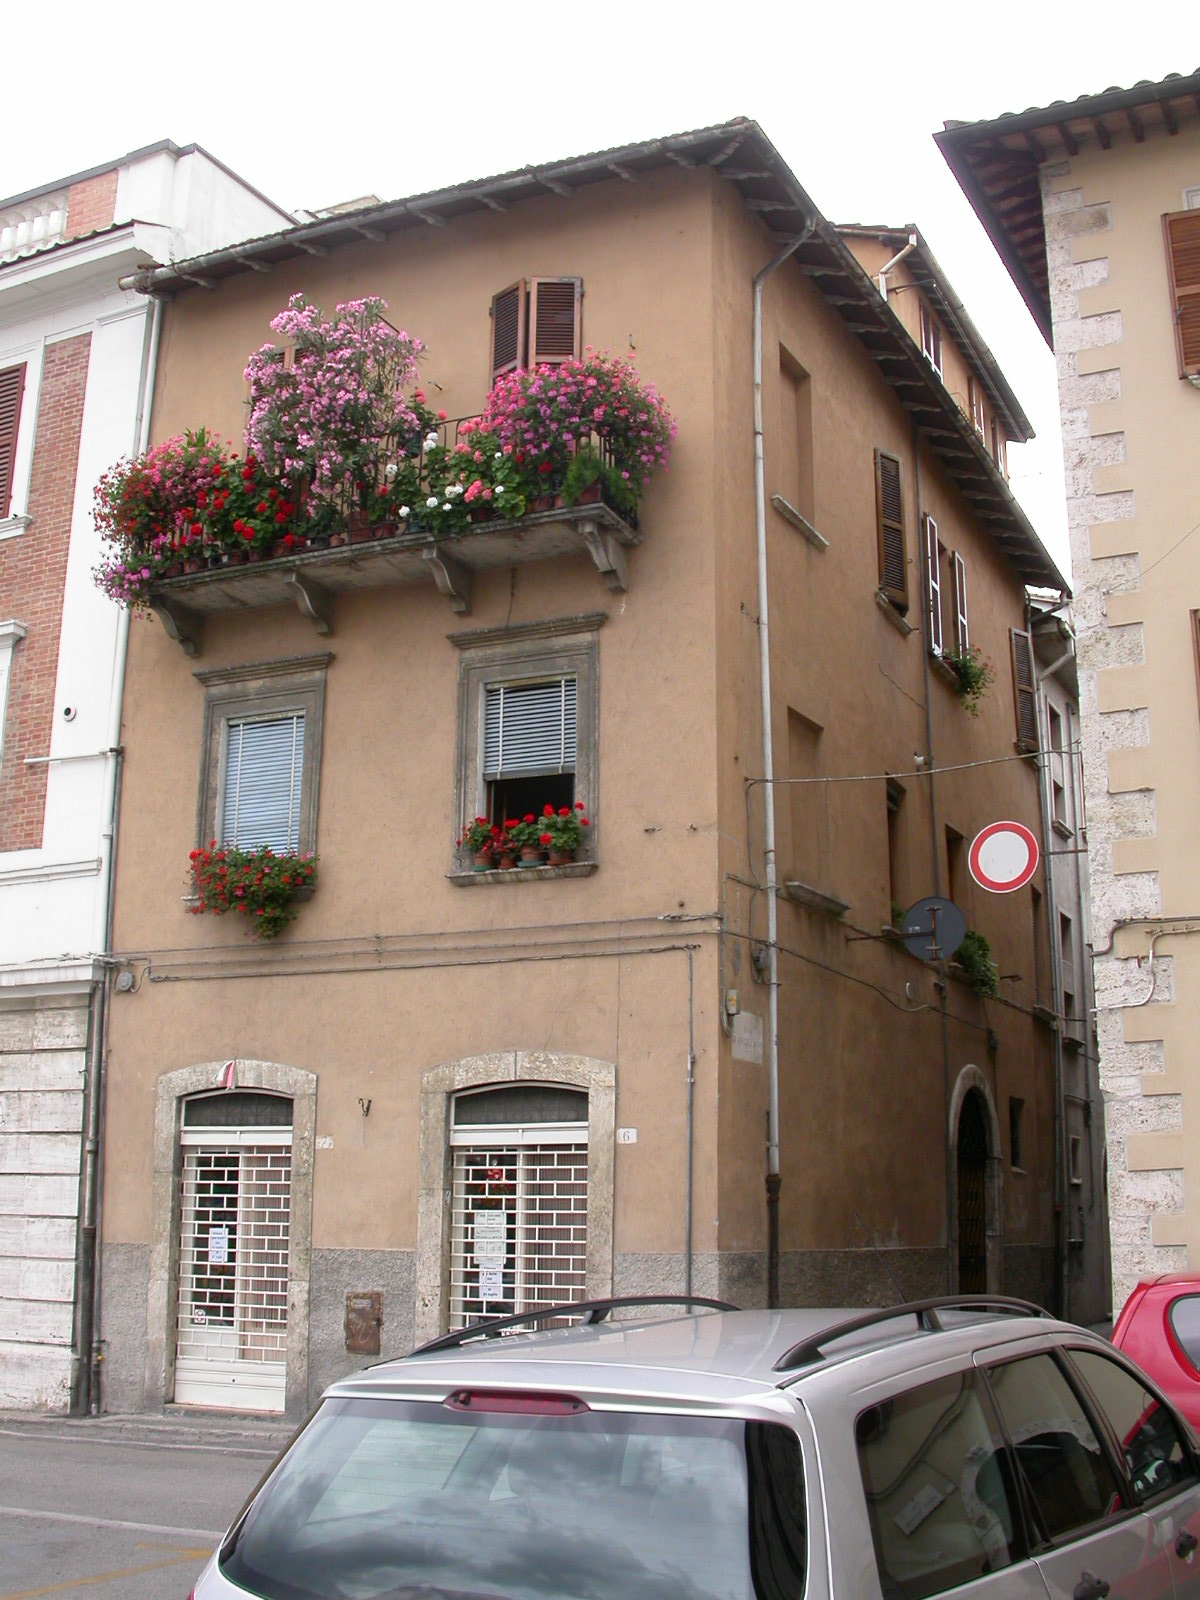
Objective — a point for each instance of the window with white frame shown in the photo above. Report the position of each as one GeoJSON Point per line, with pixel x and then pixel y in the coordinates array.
{"type": "Point", "coordinates": [931, 338]}
{"type": "Point", "coordinates": [962, 627]}
{"type": "Point", "coordinates": [975, 395]}
{"type": "Point", "coordinates": [528, 705]}
{"type": "Point", "coordinates": [934, 553]}
{"type": "Point", "coordinates": [20, 376]}
{"type": "Point", "coordinates": [519, 1199]}
{"type": "Point", "coordinates": [260, 767]}
{"type": "Point", "coordinates": [999, 449]}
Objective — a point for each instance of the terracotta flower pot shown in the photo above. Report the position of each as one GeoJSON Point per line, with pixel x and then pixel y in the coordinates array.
{"type": "Point", "coordinates": [481, 861]}
{"type": "Point", "coordinates": [360, 534]}
{"type": "Point", "coordinates": [532, 855]}
{"type": "Point", "coordinates": [508, 860]}
{"type": "Point", "coordinates": [193, 564]}
{"type": "Point", "coordinates": [542, 502]}
{"type": "Point", "coordinates": [591, 495]}
{"type": "Point", "coordinates": [560, 858]}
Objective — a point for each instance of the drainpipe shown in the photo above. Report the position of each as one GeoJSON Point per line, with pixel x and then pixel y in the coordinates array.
{"type": "Point", "coordinates": [774, 1182]}
{"type": "Point", "coordinates": [691, 1108]}
{"type": "Point", "coordinates": [1062, 1268]}
{"type": "Point", "coordinates": [102, 936]}
{"type": "Point", "coordinates": [882, 276]}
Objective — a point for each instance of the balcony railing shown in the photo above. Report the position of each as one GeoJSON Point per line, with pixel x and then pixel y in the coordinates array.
{"type": "Point", "coordinates": [28, 228]}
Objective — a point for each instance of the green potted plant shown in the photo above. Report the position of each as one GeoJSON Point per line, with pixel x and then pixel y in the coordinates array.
{"type": "Point", "coordinates": [526, 836]}
{"type": "Point", "coordinates": [974, 673]}
{"type": "Point", "coordinates": [562, 831]}
{"type": "Point", "coordinates": [973, 958]}
{"type": "Point", "coordinates": [256, 884]}
{"type": "Point", "coordinates": [479, 839]}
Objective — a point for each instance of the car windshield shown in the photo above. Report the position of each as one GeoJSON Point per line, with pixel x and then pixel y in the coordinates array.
{"type": "Point", "coordinates": [400, 1500]}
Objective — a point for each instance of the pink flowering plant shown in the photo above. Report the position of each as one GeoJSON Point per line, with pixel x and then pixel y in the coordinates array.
{"type": "Point", "coordinates": [549, 414]}
{"type": "Point", "coordinates": [330, 420]}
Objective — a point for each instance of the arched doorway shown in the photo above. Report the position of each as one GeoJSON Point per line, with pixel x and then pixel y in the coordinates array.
{"type": "Point", "coordinates": [972, 1194]}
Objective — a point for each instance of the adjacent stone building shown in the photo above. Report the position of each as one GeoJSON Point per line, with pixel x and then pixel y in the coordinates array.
{"type": "Point", "coordinates": [1094, 205]}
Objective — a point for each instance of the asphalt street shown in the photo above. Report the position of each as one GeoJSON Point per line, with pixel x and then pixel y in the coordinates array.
{"type": "Point", "coordinates": [118, 1509]}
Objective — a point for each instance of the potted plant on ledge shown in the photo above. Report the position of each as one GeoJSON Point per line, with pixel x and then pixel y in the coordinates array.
{"type": "Point", "coordinates": [257, 884]}
{"type": "Point", "coordinates": [562, 832]}
{"type": "Point", "coordinates": [974, 673]}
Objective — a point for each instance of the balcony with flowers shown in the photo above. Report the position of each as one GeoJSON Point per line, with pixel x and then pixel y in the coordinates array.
{"type": "Point", "coordinates": [350, 480]}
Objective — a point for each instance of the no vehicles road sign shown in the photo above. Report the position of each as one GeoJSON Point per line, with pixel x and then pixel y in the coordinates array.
{"type": "Point", "coordinates": [1003, 857]}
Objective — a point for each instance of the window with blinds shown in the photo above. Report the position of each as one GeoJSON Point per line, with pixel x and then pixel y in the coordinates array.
{"type": "Point", "coordinates": [536, 322]}
{"type": "Point", "coordinates": [529, 728]}
{"type": "Point", "coordinates": [1181, 235]}
{"type": "Point", "coordinates": [261, 790]}
{"type": "Point", "coordinates": [889, 518]}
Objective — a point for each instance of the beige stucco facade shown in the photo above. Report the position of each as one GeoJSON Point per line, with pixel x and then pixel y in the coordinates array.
{"type": "Point", "coordinates": [406, 981]}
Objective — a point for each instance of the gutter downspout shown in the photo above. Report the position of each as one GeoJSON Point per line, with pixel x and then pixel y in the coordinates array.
{"type": "Point", "coordinates": [881, 277]}
{"type": "Point", "coordinates": [102, 941]}
{"type": "Point", "coordinates": [1062, 1271]}
{"type": "Point", "coordinates": [774, 1182]}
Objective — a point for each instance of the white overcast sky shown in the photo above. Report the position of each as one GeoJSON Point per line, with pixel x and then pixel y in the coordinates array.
{"type": "Point", "coordinates": [319, 104]}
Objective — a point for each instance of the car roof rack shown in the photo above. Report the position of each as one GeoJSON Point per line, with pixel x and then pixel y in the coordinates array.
{"type": "Point", "coordinates": [925, 1311]}
{"type": "Point", "coordinates": [592, 1311]}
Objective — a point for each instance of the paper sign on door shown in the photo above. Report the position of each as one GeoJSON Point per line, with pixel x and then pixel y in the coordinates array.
{"type": "Point", "coordinates": [491, 1243]}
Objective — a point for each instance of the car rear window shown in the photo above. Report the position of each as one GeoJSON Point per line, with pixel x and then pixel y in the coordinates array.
{"type": "Point", "coordinates": [1185, 1323]}
{"type": "Point", "coordinates": [403, 1499]}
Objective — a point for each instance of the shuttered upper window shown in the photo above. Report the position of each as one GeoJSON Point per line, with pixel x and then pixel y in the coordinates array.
{"type": "Point", "coordinates": [1024, 689]}
{"type": "Point", "coordinates": [962, 630]}
{"type": "Point", "coordinates": [933, 586]}
{"type": "Point", "coordinates": [536, 322]}
{"type": "Point", "coordinates": [1181, 232]}
{"type": "Point", "coordinates": [12, 387]}
{"type": "Point", "coordinates": [889, 513]}
{"type": "Point", "coordinates": [261, 792]}
{"type": "Point", "coordinates": [260, 767]}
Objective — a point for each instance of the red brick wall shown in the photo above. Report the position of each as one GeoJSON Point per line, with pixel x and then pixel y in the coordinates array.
{"type": "Point", "coordinates": [33, 571]}
{"type": "Point", "coordinates": [91, 204]}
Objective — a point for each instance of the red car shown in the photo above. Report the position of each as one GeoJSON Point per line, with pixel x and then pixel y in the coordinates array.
{"type": "Point", "coordinates": [1160, 1330]}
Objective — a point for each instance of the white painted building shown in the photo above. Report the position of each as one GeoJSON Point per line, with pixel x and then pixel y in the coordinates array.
{"type": "Point", "coordinates": [77, 356]}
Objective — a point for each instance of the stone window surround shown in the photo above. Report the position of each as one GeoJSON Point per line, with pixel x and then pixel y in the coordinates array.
{"type": "Point", "coordinates": [172, 1089]}
{"type": "Point", "coordinates": [560, 647]}
{"type": "Point", "coordinates": [295, 683]}
{"type": "Point", "coordinates": [439, 1085]}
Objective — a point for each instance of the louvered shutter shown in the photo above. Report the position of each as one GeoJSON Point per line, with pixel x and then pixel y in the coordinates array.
{"type": "Point", "coordinates": [1181, 230]}
{"type": "Point", "coordinates": [264, 770]}
{"type": "Point", "coordinates": [889, 512]}
{"type": "Point", "coordinates": [1024, 689]}
{"type": "Point", "coordinates": [508, 328]}
{"type": "Point", "coordinates": [933, 583]}
{"type": "Point", "coordinates": [962, 632]}
{"type": "Point", "coordinates": [529, 728]}
{"type": "Point", "coordinates": [554, 320]}
{"type": "Point", "coordinates": [12, 387]}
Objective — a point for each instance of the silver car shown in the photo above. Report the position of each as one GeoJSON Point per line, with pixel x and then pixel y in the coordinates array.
{"type": "Point", "coordinates": [963, 1445]}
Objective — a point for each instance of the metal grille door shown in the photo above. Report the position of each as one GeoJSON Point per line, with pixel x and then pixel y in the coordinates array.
{"type": "Point", "coordinates": [972, 1197]}
{"type": "Point", "coordinates": [231, 1346]}
{"type": "Point", "coordinates": [518, 1224]}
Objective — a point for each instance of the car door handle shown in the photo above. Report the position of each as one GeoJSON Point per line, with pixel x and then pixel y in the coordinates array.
{"type": "Point", "coordinates": [1089, 1588]}
{"type": "Point", "coordinates": [1186, 1543]}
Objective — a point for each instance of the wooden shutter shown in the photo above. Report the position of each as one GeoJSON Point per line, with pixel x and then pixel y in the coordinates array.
{"type": "Point", "coordinates": [1181, 232]}
{"type": "Point", "coordinates": [12, 387]}
{"type": "Point", "coordinates": [889, 515]}
{"type": "Point", "coordinates": [933, 586]}
{"type": "Point", "coordinates": [508, 328]}
{"type": "Point", "coordinates": [529, 728]}
{"type": "Point", "coordinates": [962, 632]}
{"type": "Point", "coordinates": [554, 320]}
{"type": "Point", "coordinates": [1024, 689]}
{"type": "Point", "coordinates": [264, 771]}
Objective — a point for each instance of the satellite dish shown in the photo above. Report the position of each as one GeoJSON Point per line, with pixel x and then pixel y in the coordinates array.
{"type": "Point", "coordinates": [933, 928]}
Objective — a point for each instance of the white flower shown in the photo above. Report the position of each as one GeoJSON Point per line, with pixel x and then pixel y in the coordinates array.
{"type": "Point", "coordinates": [431, 442]}
{"type": "Point", "coordinates": [432, 501]}
{"type": "Point", "coordinates": [499, 489]}
{"type": "Point", "coordinates": [499, 455]}
{"type": "Point", "coordinates": [446, 506]}
{"type": "Point", "coordinates": [404, 510]}
{"type": "Point", "coordinates": [390, 470]}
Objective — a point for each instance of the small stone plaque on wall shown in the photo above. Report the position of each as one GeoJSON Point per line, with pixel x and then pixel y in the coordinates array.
{"type": "Point", "coordinates": [364, 1319]}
